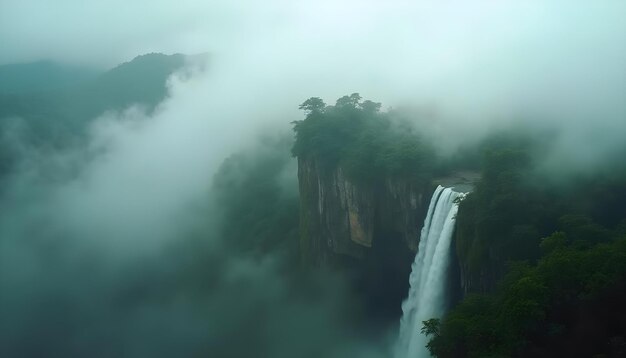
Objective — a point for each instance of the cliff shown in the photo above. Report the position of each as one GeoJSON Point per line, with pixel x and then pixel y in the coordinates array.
{"type": "Point", "coordinates": [339, 217]}
{"type": "Point", "coordinates": [365, 183]}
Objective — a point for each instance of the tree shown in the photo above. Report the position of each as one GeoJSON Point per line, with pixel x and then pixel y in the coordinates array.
{"type": "Point", "coordinates": [431, 327]}
{"type": "Point", "coordinates": [370, 107]}
{"type": "Point", "coordinates": [313, 104]}
{"type": "Point", "coordinates": [351, 101]}
{"type": "Point", "coordinates": [557, 240]}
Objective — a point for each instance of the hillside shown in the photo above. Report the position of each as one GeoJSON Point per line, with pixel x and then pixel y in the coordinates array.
{"type": "Point", "coordinates": [58, 117]}
{"type": "Point", "coordinates": [536, 257]}
{"type": "Point", "coordinates": [41, 76]}
{"type": "Point", "coordinates": [142, 81]}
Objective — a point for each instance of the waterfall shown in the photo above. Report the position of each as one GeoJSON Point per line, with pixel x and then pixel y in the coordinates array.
{"type": "Point", "coordinates": [428, 279]}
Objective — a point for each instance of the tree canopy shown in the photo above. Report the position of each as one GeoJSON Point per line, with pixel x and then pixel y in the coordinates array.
{"type": "Point", "coordinates": [367, 143]}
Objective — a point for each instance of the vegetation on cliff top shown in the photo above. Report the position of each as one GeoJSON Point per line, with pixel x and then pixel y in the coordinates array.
{"type": "Point", "coordinates": [256, 195]}
{"type": "Point", "coordinates": [545, 253]}
{"type": "Point", "coordinates": [367, 143]}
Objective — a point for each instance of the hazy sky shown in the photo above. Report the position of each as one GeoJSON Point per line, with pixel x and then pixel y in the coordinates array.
{"type": "Point", "coordinates": [475, 65]}
{"type": "Point", "coordinates": [472, 54]}
{"type": "Point", "coordinates": [475, 54]}
{"type": "Point", "coordinates": [442, 33]}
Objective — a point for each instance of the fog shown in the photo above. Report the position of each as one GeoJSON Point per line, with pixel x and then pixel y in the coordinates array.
{"type": "Point", "coordinates": [110, 249]}
{"type": "Point", "coordinates": [473, 66]}
{"type": "Point", "coordinates": [94, 239]}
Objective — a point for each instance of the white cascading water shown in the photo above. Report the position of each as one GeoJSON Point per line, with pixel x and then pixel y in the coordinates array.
{"type": "Point", "coordinates": [428, 280]}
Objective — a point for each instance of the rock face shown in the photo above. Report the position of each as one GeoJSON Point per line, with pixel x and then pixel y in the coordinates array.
{"type": "Point", "coordinates": [483, 280]}
{"type": "Point", "coordinates": [374, 231]}
{"type": "Point", "coordinates": [339, 217]}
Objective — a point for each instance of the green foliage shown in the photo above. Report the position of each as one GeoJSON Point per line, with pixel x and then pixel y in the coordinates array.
{"type": "Point", "coordinates": [556, 241]}
{"type": "Point", "coordinates": [41, 76]}
{"type": "Point", "coordinates": [356, 136]}
{"type": "Point", "coordinates": [582, 230]}
{"type": "Point", "coordinates": [59, 116]}
{"type": "Point", "coordinates": [536, 307]}
{"type": "Point", "coordinates": [431, 327]}
{"type": "Point", "coordinates": [304, 230]}
{"type": "Point", "coordinates": [574, 277]}
{"type": "Point", "coordinates": [257, 199]}
{"type": "Point", "coordinates": [502, 214]}
{"type": "Point", "coordinates": [313, 104]}
{"type": "Point", "coordinates": [513, 207]}
{"type": "Point", "coordinates": [56, 110]}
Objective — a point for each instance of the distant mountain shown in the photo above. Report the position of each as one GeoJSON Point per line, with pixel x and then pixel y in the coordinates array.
{"type": "Point", "coordinates": [41, 76]}
{"type": "Point", "coordinates": [57, 103]}
{"type": "Point", "coordinates": [141, 80]}
{"type": "Point", "coordinates": [54, 114]}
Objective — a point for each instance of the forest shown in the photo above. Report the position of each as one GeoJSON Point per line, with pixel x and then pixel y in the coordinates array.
{"type": "Point", "coordinates": [547, 250]}
{"type": "Point", "coordinates": [320, 178]}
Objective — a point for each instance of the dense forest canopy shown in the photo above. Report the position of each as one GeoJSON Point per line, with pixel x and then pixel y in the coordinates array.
{"type": "Point", "coordinates": [258, 196]}
{"type": "Point", "coordinates": [548, 251]}
{"type": "Point", "coordinates": [367, 143]}
{"type": "Point", "coordinates": [547, 248]}
{"type": "Point", "coordinates": [240, 205]}
{"type": "Point", "coordinates": [549, 259]}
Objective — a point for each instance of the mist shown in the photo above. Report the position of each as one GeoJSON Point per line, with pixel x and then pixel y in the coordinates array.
{"type": "Point", "coordinates": [471, 66]}
{"type": "Point", "coordinates": [96, 238]}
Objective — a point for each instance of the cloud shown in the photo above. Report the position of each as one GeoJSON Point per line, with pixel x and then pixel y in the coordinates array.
{"type": "Point", "coordinates": [83, 236]}
{"type": "Point", "coordinates": [479, 63]}
{"type": "Point", "coordinates": [97, 255]}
